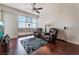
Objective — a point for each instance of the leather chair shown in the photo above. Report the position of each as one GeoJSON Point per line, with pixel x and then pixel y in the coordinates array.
{"type": "Point", "coordinates": [38, 32]}
{"type": "Point", "coordinates": [53, 35]}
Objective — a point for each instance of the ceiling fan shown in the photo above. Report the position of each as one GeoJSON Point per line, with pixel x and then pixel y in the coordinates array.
{"type": "Point", "coordinates": [34, 8]}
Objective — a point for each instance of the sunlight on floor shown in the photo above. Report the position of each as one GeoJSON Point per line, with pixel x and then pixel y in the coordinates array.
{"type": "Point", "coordinates": [20, 47]}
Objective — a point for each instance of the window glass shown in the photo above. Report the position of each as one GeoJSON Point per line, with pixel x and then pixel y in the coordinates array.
{"type": "Point", "coordinates": [26, 22]}
{"type": "Point", "coordinates": [34, 21]}
{"type": "Point", "coordinates": [22, 18]}
{"type": "Point", "coordinates": [22, 25]}
{"type": "Point", "coordinates": [33, 25]}
{"type": "Point", "coordinates": [21, 21]}
{"type": "Point", "coordinates": [29, 19]}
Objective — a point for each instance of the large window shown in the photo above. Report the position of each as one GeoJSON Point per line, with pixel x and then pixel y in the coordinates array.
{"type": "Point", "coordinates": [21, 21]}
{"type": "Point", "coordinates": [34, 23]}
{"type": "Point", "coordinates": [29, 22]}
{"type": "Point", "coordinates": [26, 24]}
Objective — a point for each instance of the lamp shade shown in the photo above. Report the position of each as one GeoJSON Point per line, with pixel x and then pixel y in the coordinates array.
{"type": "Point", "coordinates": [1, 23]}
{"type": "Point", "coordinates": [1, 29]}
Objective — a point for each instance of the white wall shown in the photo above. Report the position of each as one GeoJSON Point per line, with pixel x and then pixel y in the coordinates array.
{"type": "Point", "coordinates": [11, 24]}
{"type": "Point", "coordinates": [10, 17]}
{"type": "Point", "coordinates": [16, 10]}
{"type": "Point", "coordinates": [0, 13]}
{"type": "Point", "coordinates": [60, 15]}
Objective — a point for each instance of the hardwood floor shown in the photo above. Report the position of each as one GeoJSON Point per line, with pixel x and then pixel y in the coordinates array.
{"type": "Point", "coordinates": [3, 48]}
{"type": "Point", "coordinates": [13, 46]}
{"type": "Point", "coordinates": [60, 48]}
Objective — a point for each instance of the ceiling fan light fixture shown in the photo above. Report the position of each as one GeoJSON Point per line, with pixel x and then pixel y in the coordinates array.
{"type": "Point", "coordinates": [36, 9]}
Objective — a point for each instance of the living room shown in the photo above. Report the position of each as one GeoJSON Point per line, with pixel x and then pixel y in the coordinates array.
{"type": "Point", "coordinates": [21, 21]}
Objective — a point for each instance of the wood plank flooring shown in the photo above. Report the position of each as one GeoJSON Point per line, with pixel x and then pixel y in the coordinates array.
{"type": "Point", "coordinates": [60, 48]}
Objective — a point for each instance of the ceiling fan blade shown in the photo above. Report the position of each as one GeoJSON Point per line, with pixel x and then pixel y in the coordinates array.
{"type": "Point", "coordinates": [33, 5]}
{"type": "Point", "coordinates": [37, 11]}
{"type": "Point", "coordinates": [39, 8]}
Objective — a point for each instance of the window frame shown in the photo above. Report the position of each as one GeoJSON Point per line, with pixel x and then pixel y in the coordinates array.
{"type": "Point", "coordinates": [31, 22]}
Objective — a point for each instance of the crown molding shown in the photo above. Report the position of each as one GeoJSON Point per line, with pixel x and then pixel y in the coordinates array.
{"type": "Point", "coordinates": [16, 11]}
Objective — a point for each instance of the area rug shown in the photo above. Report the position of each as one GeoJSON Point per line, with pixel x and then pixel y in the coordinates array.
{"type": "Point", "coordinates": [32, 44]}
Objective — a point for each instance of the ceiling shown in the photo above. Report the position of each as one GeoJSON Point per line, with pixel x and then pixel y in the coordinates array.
{"type": "Point", "coordinates": [24, 6]}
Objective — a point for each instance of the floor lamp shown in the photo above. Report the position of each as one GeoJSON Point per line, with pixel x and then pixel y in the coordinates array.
{"type": "Point", "coordinates": [65, 32]}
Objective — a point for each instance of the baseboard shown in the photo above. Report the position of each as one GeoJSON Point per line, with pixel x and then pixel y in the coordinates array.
{"type": "Point", "coordinates": [67, 41]}
{"type": "Point", "coordinates": [24, 35]}
{"type": "Point", "coordinates": [14, 38]}
{"type": "Point", "coordinates": [61, 40]}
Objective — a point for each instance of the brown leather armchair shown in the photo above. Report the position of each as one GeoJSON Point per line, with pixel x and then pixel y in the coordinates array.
{"type": "Point", "coordinates": [38, 32]}
{"type": "Point", "coordinates": [53, 35]}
